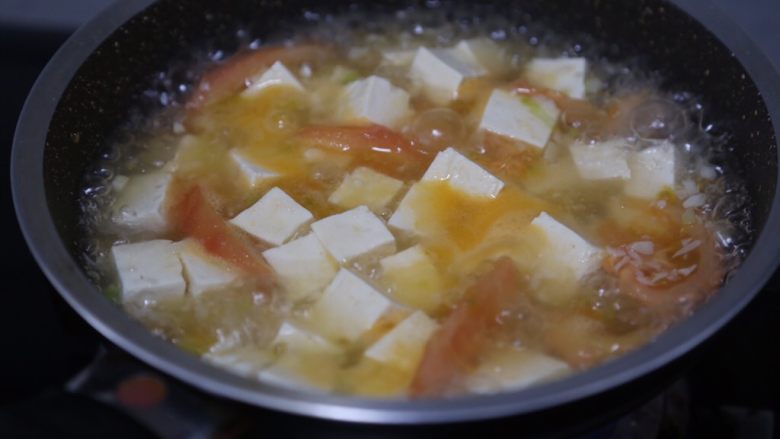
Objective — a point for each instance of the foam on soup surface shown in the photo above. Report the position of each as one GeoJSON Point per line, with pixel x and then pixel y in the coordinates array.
{"type": "Point", "coordinates": [412, 216]}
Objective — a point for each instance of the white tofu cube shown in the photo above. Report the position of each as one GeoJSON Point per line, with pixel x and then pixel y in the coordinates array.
{"type": "Point", "coordinates": [204, 273]}
{"type": "Point", "coordinates": [303, 267]}
{"type": "Point", "coordinates": [119, 182]}
{"type": "Point", "coordinates": [440, 72]}
{"type": "Point", "coordinates": [652, 171]}
{"type": "Point", "coordinates": [341, 75]}
{"type": "Point", "coordinates": [348, 308]}
{"type": "Point", "coordinates": [276, 75]}
{"type": "Point", "coordinates": [404, 217]}
{"type": "Point", "coordinates": [247, 361]}
{"type": "Point", "coordinates": [601, 161]}
{"type": "Point", "coordinates": [529, 119]}
{"type": "Point", "coordinates": [253, 173]}
{"type": "Point", "coordinates": [413, 279]}
{"type": "Point", "coordinates": [404, 345]}
{"type": "Point", "coordinates": [463, 174]}
{"type": "Point", "coordinates": [375, 99]}
{"type": "Point", "coordinates": [483, 52]}
{"type": "Point", "coordinates": [364, 186]}
{"type": "Point", "coordinates": [566, 75]}
{"type": "Point", "coordinates": [460, 172]}
{"type": "Point", "coordinates": [306, 360]}
{"type": "Point", "coordinates": [398, 58]}
{"type": "Point", "coordinates": [514, 369]}
{"type": "Point", "coordinates": [140, 206]}
{"type": "Point", "coordinates": [149, 269]}
{"type": "Point", "coordinates": [566, 249]}
{"type": "Point", "coordinates": [295, 359]}
{"type": "Point", "coordinates": [354, 233]}
{"type": "Point", "coordinates": [299, 339]}
{"type": "Point", "coordinates": [188, 153]}
{"type": "Point", "coordinates": [274, 218]}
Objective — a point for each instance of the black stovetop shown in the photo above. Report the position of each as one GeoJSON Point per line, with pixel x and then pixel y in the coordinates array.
{"type": "Point", "coordinates": [732, 389]}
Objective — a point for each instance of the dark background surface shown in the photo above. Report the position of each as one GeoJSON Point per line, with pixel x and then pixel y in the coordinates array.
{"type": "Point", "coordinates": [43, 343]}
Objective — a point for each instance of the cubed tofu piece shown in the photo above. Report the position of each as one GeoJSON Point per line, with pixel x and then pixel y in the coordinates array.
{"type": "Point", "coordinates": [247, 361]}
{"type": "Point", "coordinates": [349, 306]}
{"type": "Point", "coordinates": [483, 52]}
{"type": "Point", "coordinates": [149, 269]}
{"type": "Point", "coordinates": [566, 75]}
{"type": "Point", "coordinates": [601, 161]}
{"type": "Point", "coordinates": [463, 174]}
{"type": "Point", "coordinates": [188, 153]}
{"type": "Point", "coordinates": [364, 186]}
{"type": "Point", "coordinates": [514, 369]}
{"type": "Point", "coordinates": [203, 272]}
{"type": "Point", "coordinates": [354, 233]}
{"type": "Point", "coordinates": [529, 119]}
{"type": "Point", "coordinates": [652, 171]}
{"type": "Point", "coordinates": [341, 75]}
{"type": "Point", "coordinates": [413, 279]}
{"type": "Point", "coordinates": [398, 58]}
{"type": "Point", "coordinates": [300, 339]}
{"type": "Point", "coordinates": [253, 173]}
{"type": "Point", "coordinates": [295, 358]}
{"type": "Point", "coordinates": [140, 205]}
{"type": "Point", "coordinates": [303, 267]}
{"type": "Point", "coordinates": [276, 75]}
{"type": "Point", "coordinates": [307, 360]}
{"type": "Point", "coordinates": [566, 249]}
{"type": "Point", "coordinates": [274, 218]}
{"type": "Point", "coordinates": [404, 217]}
{"type": "Point", "coordinates": [454, 168]}
{"type": "Point", "coordinates": [375, 99]}
{"type": "Point", "coordinates": [404, 345]}
{"type": "Point", "coordinates": [119, 182]}
{"type": "Point", "coordinates": [440, 73]}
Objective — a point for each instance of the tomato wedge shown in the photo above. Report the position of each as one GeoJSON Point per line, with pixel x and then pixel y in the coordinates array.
{"type": "Point", "coordinates": [192, 215]}
{"type": "Point", "coordinates": [230, 77]}
{"type": "Point", "coordinates": [576, 112]}
{"type": "Point", "coordinates": [683, 268]}
{"type": "Point", "coordinates": [372, 145]}
{"type": "Point", "coordinates": [579, 113]}
{"type": "Point", "coordinates": [668, 277]}
{"type": "Point", "coordinates": [507, 159]}
{"type": "Point", "coordinates": [454, 349]}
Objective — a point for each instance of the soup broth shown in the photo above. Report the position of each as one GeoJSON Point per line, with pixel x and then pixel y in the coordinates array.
{"type": "Point", "coordinates": [409, 211]}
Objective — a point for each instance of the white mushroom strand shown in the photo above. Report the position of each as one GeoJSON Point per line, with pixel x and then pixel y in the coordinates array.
{"type": "Point", "coordinates": [688, 245]}
{"type": "Point", "coordinates": [690, 194]}
{"type": "Point", "coordinates": [638, 255]}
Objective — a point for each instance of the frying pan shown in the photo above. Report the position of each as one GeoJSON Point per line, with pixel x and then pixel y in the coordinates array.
{"type": "Point", "coordinates": [89, 87]}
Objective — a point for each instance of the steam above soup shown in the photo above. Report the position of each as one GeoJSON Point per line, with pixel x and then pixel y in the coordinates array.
{"type": "Point", "coordinates": [410, 217]}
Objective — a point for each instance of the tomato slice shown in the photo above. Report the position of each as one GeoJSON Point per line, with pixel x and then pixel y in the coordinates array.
{"type": "Point", "coordinates": [684, 266]}
{"type": "Point", "coordinates": [576, 112]}
{"type": "Point", "coordinates": [581, 114]}
{"type": "Point", "coordinates": [192, 215]}
{"type": "Point", "coordinates": [668, 276]}
{"type": "Point", "coordinates": [454, 349]}
{"type": "Point", "coordinates": [508, 160]}
{"type": "Point", "coordinates": [375, 146]}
